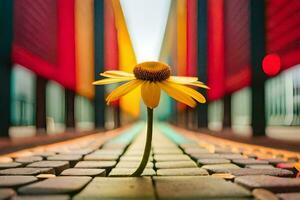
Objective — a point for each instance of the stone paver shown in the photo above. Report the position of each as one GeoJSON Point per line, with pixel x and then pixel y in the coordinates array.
{"type": "Point", "coordinates": [58, 166]}
{"type": "Point", "coordinates": [101, 157]}
{"type": "Point", "coordinates": [45, 176]}
{"type": "Point", "coordinates": [134, 153]}
{"type": "Point", "coordinates": [182, 172]}
{"type": "Point", "coordinates": [195, 150]}
{"type": "Point", "coordinates": [289, 196]}
{"type": "Point", "coordinates": [71, 158]}
{"type": "Point", "coordinates": [219, 167]}
{"type": "Point", "coordinates": [222, 150]}
{"type": "Point", "coordinates": [262, 194]}
{"type": "Point", "coordinates": [260, 166]}
{"type": "Point", "coordinates": [43, 197]}
{"type": "Point", "coordinates": [129, 171]}
{"type": "Point", "coordinates": [5, 159]}
{"type": "Point", "coordinates": [175, 164]}
{"type": "Point", "coordinates": [83, 172]}
{"type": "Point", "coordinates": [167, 151]}
{"type": "Point", "coordinates": [10, 165]}
{"type": "Point", "coordinates": [109, 152]}
{"type": "Point", "coordinates": [96, 164]}
{"type": "Point", "coordinates": [250, 161]}
{"type": "Point", "coordinates": [112, 146]}
{"type": "Point", "coordinates": [6, 194]}
{"type": "Point", "coordinates": [232, 156]}
{"type": "Point", "coordinates": [79, 152]}
{"type": "Point", "coordinates": [132, 164]}
{"type": "Point", "coordinates": [212, 161]}
{"type": "Point", "coordinates": [275, 161]}
{"type": "Point", "coordinates": [272, 183]}
{"type": "Point", "coordinates": [118, 188]}
{"type": "Point", "coordinates": [226, 176]}
{"type": "Point", "coordinates": [190, 188]}
{"type": "Point", "coordinates": [134, 158]}
{"type": "Point", "coordinates": [57, 185]}
{"type": "Point", "coordinates": [178, 168]}
{"type": "Point", "coordinates": [26, 171]}
{"type": "Point", "coordinates": [290, 166]}
{"type": "Point", "coordinates": [15, 181]}
{"type": "Point", "coordinates": [173, 157]}
{"type": "Point", "coordinates": [206, 156]}
{"type": "Point", "coordinates": [29, 159]}
{"type": "Point", "coordinates": [249, 171]}
{"type": "Point", "coordinates": [45, 154]}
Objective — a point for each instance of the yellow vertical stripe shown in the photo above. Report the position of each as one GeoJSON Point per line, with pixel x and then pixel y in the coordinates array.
{"type": "Point", "coordinates": [181, 41]}
{"type": "Point", "coordinates": [127, 60]}
{"type": "Point", "coordinates": [181, 36]}
{"type": "Point", "coordinates": [84, 47]}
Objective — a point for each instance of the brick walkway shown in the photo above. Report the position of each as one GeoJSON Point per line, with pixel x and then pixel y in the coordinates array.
{"type": "Point", "coordinates": [183, 165]}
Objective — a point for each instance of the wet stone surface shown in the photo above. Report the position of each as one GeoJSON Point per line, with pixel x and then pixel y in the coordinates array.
{"type": "Point", "coordinates": [128, 171]}
{"type": "Point", "coordinates": [98, 157]}
{"type": "Point", "coordinates": [43, 197]}
{"type": "Point", "coordinates": [29, 159]}
{"type": "Point", "coordinates": [118, 188]}
{"type": "Point", "coordinates": [275, 184]}
{"type": "Point", "coordinates": [175, 164]}
{"type": "Point", "coordinates": [289, 196]}
{"type": "Point", "coordinates": [178, 168]}
{"type": "Point", "coordinates": [220, 168]}
{"type": "Point", "coordinates": [15, 181]}
{"type": "Point", "coordinates": [95, 164]}
{"type": "Point", "coordinates": [6, 193]}
{"type": "Point", "coordinates": [211, 161]}
{"type": "Point", "coordinates": [182, 172]}
{"type": "Point", "coordinates": [57, 185]}
{"type": "Point", "coordinates": [26, 171]}
{"type": "Point", "coordinates": [197, 187]}
{"type": "Point", "coordinates": [10, 165]}
{"type": "Point", "coordinates": [58, 166]}
{"type": "Point", "coordinates": [249, 171]}
{"type": "Point", "coordinates": [83, 172]}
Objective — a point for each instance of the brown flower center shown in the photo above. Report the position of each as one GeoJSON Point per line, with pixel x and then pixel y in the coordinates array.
{"type": "Point", "coordinates": [152, 71]}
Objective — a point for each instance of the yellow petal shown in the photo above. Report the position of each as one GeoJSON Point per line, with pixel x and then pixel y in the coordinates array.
{"type": "Point", "coordinates": [122, 90]}
{"type": "Point", "coordinates": [111, 80]}
{"type": "Point", "coordinates": [198, 84]}
{"type": "Point", "coordinates": [177, 94]}
{"type": "Point", "coordinates": [189, 91]}
{"type": "Point", "coordinates": [195, 83]}
{"type": "Point", "coordinates": [151, 94]}
{"type": "Point", "coordinates": [116, 74]}
{"type": "Point", "coordinates": [183, 79]}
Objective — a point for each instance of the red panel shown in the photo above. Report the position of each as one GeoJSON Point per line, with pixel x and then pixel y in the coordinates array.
{"type": "Point", "coordinates": [111, 58]}
{"type": "Point", "coordinates": [192, 37]}
{"type": "Point", "coordinates": [35, 27]}
{"type": "Point", "coordinates": [44, 39]}
{"type": "Point", "coordinates": [111, 53]}
{"type": "Point", "coordinates": [283, 31]}
{"type": "Point", "coordinates": [215, 14]}
{"type": "Point", "coordinates": [237, 45]}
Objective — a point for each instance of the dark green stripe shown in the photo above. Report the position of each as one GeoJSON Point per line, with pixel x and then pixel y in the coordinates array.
{"type": "Point", "coordinates": [257, 28]}
{"type": "Point", "coordinates": [6, 11]}
{"type": "Point", "coordinates": [99, 62]}
{"type": "Point", "coordinates": [202, 110]}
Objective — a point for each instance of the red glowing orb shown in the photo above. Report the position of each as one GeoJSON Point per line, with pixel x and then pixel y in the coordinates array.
{"type": "Point", "coordinates": [271, 64]}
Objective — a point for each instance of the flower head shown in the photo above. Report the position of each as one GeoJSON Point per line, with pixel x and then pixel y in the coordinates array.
{"type": "Point", "coordinates": [153, 77]}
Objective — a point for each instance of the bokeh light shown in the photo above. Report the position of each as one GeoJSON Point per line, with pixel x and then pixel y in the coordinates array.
{"type": "Point", "coordinates": [271, 64]}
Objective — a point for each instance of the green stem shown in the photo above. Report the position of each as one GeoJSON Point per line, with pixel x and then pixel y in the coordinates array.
{"type": "Point", "coordinates": [147, 149]}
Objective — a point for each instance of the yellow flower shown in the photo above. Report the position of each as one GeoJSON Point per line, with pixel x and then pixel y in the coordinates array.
{"type": "Point", "coordinates": [152, 77]}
